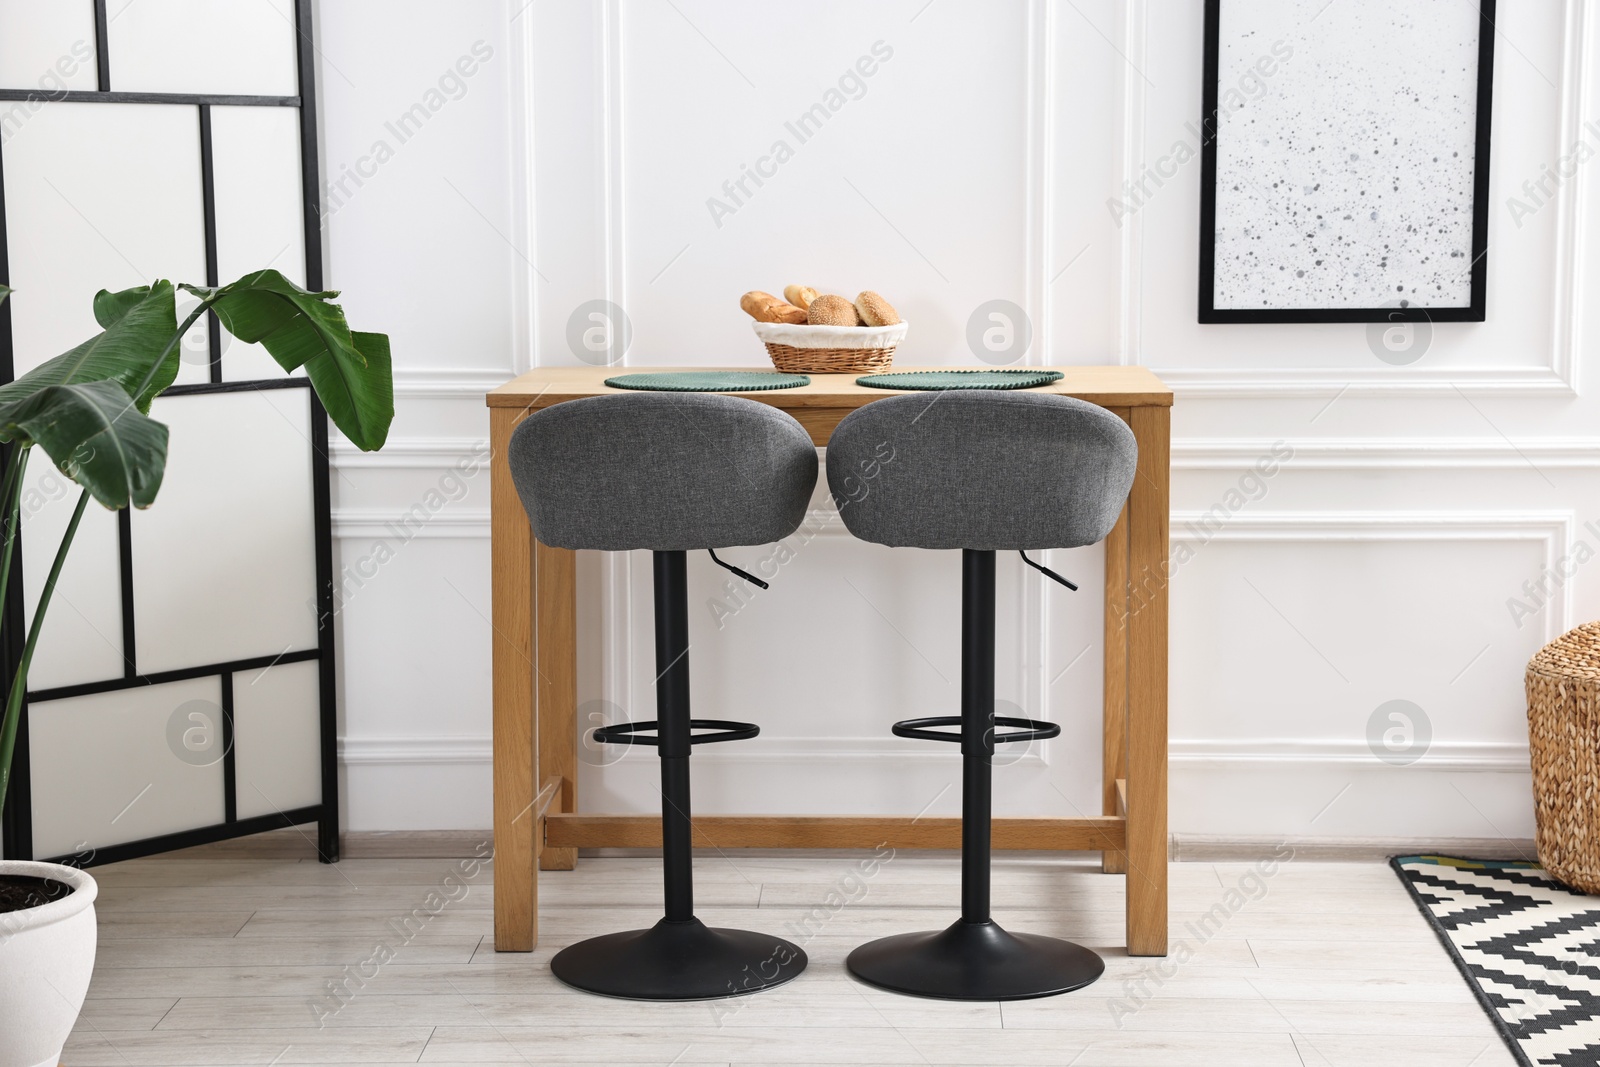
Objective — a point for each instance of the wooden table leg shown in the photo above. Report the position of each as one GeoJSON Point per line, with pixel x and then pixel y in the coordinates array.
{"type": "Point", "coordinates": [557, 682]}
{"type": "Point", "coordinates": [1148, 518]}
{"type": "Point", "coordinates": [1114, 763]}
{"type": "Point", "coordinates": [516, 886]}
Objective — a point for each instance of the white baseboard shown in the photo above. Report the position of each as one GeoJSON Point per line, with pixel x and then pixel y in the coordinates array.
{"type": "Point", "coordinates": [1267, 753]}
{"type": "Point", "coordinates": [1205, 848]}
{"type": "Point", "coordinates": [299, 843]}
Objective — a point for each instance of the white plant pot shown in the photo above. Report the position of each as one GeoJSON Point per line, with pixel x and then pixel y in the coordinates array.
{"type": "Point", "coordinates": [46, 959]}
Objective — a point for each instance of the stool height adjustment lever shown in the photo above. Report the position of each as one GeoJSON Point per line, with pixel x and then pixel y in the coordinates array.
{"type": "Point", "coordinates": [746, 575]}
{"type": "Point", "coordinates": [1046, 571]}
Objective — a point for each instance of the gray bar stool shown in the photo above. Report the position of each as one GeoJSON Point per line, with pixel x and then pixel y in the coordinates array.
{"type": "Point", "coordinates": [982, 472]}
{"type": "Point", "coordinates": [672, 473]}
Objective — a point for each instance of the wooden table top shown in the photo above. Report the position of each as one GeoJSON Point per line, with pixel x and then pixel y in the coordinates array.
{"type": "Point", "coordinates": [1112, 387]}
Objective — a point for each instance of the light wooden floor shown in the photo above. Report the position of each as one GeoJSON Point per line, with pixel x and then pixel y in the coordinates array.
{"type": "Point", "coordinates": [229, 961]}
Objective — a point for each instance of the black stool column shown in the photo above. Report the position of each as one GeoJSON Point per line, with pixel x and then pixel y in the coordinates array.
{"type": "Point", "coordinates": [672, 713]}
{"type": "Point", "coordinates": [975, 959]}
{"type": "Point", "coordinates": [680, 958]}
{"type": "Point", "coordinates": [977, 730]}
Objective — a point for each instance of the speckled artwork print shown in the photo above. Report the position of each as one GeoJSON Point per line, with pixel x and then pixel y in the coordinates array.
{"type": "Point", "coordinates": [1345, 153]}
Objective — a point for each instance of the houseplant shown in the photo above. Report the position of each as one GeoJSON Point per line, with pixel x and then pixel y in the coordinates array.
{"type": "Point", "coordinates": [88, 410]}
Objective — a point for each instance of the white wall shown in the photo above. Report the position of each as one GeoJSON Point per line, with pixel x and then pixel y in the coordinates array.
{"type": "Point", "coordinates": [1376, 563]}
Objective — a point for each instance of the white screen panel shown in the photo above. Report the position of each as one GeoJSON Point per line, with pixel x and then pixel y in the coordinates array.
{"type": "Point", "coordinates": [48, 47]}
{"type": "Point", "coordinates": [203, 46]}
{"type": "Point", "coordinates": [124, 766]}
{"type": "Point", "coordinates": [260, 217]}
{"type": "Point", "coordinates": [98, 196]}
{"type": "Point", "coordinates": [224, 564]}
{"type": "Point", "coordinates": [276, 723]}
{"type": "Point", "coordinates": [82, 636]}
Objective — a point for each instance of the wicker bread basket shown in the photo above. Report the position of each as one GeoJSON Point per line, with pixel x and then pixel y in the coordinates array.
{"type": "Point", "coordinates": [830, 349]}
{"type": "Point", "coordinates": [1563, 682]}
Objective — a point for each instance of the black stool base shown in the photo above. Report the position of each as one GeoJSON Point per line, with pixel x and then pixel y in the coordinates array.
{"type": "Point", "coordinates": [975, 961]}
{"type": "Point", "coordinates": [679, 961]}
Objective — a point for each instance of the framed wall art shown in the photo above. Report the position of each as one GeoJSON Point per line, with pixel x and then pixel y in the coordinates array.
{"type": "Point", "coordinates": [1345, 162]}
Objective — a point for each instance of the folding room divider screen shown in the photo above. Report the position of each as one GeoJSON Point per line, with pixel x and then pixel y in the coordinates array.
{"type": "Point", "coordinates": [183, 688]}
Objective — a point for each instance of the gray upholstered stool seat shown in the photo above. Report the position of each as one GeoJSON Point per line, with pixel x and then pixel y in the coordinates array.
{"type": "Point", "coordinates": [669, 472]}
{"type": "Point", "coordinates": [979, 471]}
{"type": "Point", "coordinates": [662, 471]}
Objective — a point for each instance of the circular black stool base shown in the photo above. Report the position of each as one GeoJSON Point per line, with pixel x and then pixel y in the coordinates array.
{"type": "Point", "coordinates": [975, 961]}
{"type": "Point", "coordinates": [679, 961]}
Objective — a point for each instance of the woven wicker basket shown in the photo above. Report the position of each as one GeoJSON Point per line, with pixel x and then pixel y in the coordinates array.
{"type": "Point", "coordinates": [830, 349]}
{"type": "Point", "coordinates": [1563, 683]}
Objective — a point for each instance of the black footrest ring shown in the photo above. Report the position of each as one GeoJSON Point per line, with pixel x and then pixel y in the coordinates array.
{"type": "Point", "coordinates": [644, 733]}
{"type": "Point", "coordinates": [1026, 729]}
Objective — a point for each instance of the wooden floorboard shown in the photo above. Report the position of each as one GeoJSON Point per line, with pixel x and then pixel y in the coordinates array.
{"type": "Point", "coordinates": [229, 960]}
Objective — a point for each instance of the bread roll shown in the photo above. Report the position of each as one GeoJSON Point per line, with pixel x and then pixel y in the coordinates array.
{"type": "Point", "coordinates": [764, 307]}
{"type": "Point", "coordinates": [832, 311]}
{"type": "Point", "coordinates": [875, 310]}
{"type": "Point", "coordinates": [799, 295]}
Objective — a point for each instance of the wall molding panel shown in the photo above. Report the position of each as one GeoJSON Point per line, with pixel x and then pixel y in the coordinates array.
{"type": "Point", "coordinates": [614, 235]}
{"type": "Point", "coordinates": [1577, 76]}
{"type": "Point", "coordinates": [1390, 453]}
{"type": "Point", "coordinates": [397, 751]}
{"type": "Point", "coordinates": [448, 383]}
{"type": "Point", "coordinates": [427, 452]}
{"type": "Point", "coordinates": [378, 524]}
{"type": "Point", "coordinates": [1552, 530]}
{"type": "Point", "coordinates": [1039, 170]}
{"type": "Point", "coordinates": [1129, 158]}
{"type": "Point", "coordinates": [1494, 756]}
{"type": "Point", "coordinates": [415, 751]}
{"type": "Point", "coordinates": [421, 452]}
{"type": "Point", "coordinates": [1488, 756]}
{"type": "Point", "coordinates": [526, 275]}
{"type": "Point", "coordinates": [1215, 383]}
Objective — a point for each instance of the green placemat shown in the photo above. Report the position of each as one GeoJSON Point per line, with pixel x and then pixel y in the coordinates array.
{"type": "Point", "coordinates": [722, 381]}
{"type": "Point", "coordinates": [960, 379]}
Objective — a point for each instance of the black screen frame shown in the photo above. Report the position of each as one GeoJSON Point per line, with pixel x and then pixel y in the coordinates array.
{"type": "Point", "coordinates": [16, 825]}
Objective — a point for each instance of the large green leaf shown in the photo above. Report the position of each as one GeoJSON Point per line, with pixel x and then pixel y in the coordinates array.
{"type": "Point", "coordinates": [350, 372]}
{"type": "Point", "coordinates": [139, 325]}
{"type": "Point", "coordinates": [361, 404]}
{"type": "Point", "coordinates": [293, 324]}
{"type": "Point", "coordinates": [109, 307]}
{"type": "Point", "coordinates": [97, 437]}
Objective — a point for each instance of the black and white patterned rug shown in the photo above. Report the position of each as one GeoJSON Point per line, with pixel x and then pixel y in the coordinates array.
{"type": "Point", "coordinates": [1528, 946]}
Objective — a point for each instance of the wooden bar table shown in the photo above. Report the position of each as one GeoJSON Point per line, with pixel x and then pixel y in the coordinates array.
{"type": "Point", "coordinates": [536, 822]}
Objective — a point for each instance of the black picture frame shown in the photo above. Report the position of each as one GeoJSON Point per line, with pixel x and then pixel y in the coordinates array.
{"type": "Point", "coordinates": [16, 825]}
{"type": "Point", "coordinates": [1475, 311]}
